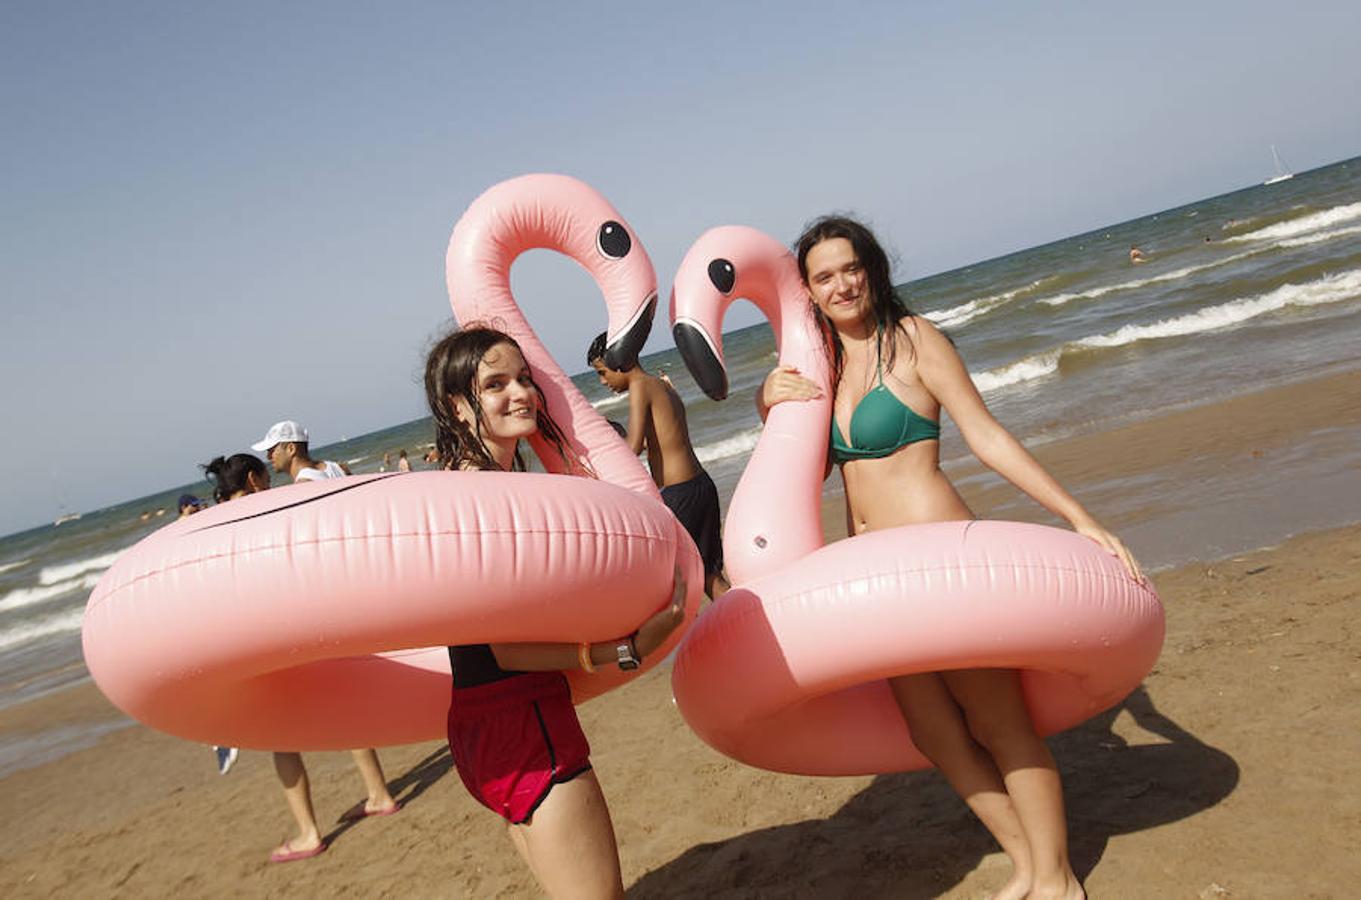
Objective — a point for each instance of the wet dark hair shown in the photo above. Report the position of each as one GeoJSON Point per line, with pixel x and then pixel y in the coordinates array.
{"type": "Point", "coordinates": [451, 369]}
{"type": "Point", "coordinates": [597, 350]}
{"type": "Point", "coordinates": [886, 306]}
{"type": "Point", "coordinates": [228, 474]}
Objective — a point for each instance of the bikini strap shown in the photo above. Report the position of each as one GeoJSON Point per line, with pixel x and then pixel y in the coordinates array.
{"type": "Point", "coordinates": [879, 355]}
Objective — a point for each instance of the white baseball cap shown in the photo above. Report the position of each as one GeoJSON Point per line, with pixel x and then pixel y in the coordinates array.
{"type": "Point", "coordinates": [281, 432]}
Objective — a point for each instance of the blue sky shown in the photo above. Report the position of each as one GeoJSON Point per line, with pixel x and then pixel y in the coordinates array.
{"type": "Point", "coordinates": [219, 215]}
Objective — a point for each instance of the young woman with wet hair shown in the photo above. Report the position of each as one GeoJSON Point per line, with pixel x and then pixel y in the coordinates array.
{"type": "Point", "coordinates": [513, 732]}
{"type": "Point", "coordinates": [893, 374]}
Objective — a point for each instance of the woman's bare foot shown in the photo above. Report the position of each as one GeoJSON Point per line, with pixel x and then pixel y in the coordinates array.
{"type": "Point", "coordinates": [1069, 888]}
{"type": "Point", "coordinates": [381, 807]}
{"type": "Point", "coordinates": [298, 848]}
{"type": "Point", "coordinates": [1016, 888]}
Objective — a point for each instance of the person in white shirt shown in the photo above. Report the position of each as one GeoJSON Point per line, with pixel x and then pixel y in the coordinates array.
{"type": "Point", "coordinates": [285, 446]}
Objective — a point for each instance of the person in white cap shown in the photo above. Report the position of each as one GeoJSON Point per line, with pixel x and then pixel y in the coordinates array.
{"type": "Point", "coordinates": [285, 446]}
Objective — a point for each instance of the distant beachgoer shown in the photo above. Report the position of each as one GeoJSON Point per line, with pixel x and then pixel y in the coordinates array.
{"type": "Point", "coordinates": [1136, 255]}
{"type": "Point", "coordinates": [657, 424]}
{"type": "Point", "coordinates": [189, 504]}
{"type": "Point", "coordinates": [285, 446]}
{"type": "Point", "coordinates": [235, 477]}
{"type": "Point", "coordinates": [387, 461]}
{"type": "Point", "coordinates": [403, 464]}
{"type": "Point", "coordinates": [896, 370]}
{"type": "Point", "coordinates": [432, 456]}
{"type": "Point", "coordinates": [513, 733]}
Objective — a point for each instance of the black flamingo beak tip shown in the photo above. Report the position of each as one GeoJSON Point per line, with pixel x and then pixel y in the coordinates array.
{"type": "Point", "coordinates": [701, 359]}
{"type": "Point", "coordinates": [622, 353]}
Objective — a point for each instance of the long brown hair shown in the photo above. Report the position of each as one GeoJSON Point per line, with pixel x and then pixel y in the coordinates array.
{"type": "Point", "coordinates": [451, 370]}
{"type": "Point", "coordinates": [887, 307]}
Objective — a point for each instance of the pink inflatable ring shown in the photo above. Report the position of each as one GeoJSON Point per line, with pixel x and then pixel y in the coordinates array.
{"type": "Point", "coordinates": [265, 622]}
{"type": "Point", "coordinates": [283, 620]}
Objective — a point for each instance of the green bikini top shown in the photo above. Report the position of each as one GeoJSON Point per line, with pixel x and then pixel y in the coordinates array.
{"type": "Point", "coordinates": [880, 425]}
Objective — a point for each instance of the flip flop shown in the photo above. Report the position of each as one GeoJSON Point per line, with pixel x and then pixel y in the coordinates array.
{"type": "Point", "coordinates": [357, 812]}
{"type": "Point", "coordinates": [280, 856]}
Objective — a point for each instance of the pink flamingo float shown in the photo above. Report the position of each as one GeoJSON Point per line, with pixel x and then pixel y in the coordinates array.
{"type": "Point", "coordinates": [787, 671]}
{"type": "Point", "coordinates": [295, 617]}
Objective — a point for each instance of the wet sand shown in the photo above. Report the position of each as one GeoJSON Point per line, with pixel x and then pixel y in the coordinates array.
{"type": "Point", "coordinates": [1230, 773]}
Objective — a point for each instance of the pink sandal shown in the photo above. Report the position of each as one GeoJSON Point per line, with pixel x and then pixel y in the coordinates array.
{"type": "Point", "coordinates": [284, 854]}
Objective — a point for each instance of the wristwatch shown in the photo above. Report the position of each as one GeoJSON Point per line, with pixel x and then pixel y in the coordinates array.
{"type": "Point", "coordinates": [628, 654]}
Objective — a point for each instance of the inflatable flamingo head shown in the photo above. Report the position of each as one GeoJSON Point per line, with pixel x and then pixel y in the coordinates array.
{"type": "Point", "coordinates": [554, 212]}
{"type": "Point", "coordinates": [725, 264]}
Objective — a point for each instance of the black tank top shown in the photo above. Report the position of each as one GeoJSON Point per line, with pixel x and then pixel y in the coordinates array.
{"type": "Point", "coordinates": [475, 664]}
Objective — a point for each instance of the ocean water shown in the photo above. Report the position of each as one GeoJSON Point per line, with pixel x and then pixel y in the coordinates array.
{"type": "Point", "coordinates": [1243, 291]}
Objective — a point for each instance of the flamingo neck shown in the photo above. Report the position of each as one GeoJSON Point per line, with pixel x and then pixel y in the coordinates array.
{"type": "Point", "coordinates": [774, 518]}
{"type": "Point", "coordinates": [486, 297]}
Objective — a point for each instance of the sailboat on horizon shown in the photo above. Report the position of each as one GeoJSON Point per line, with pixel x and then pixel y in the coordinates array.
{"type": "Point", "coordinates": [1282, 173]}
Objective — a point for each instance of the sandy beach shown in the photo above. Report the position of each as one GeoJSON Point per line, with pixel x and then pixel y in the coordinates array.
{"type": "Point", "coordinates": [1229, 774]}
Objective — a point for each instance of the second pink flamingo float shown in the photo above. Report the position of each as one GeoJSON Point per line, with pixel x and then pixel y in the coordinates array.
{"type": "Point", "coordinates": [787, 671]}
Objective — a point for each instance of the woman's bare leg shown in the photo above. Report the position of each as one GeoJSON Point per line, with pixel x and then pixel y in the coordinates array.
{"type": "Point", "coordinates": [940, 732]}
{"type": "Point", "coordinates": [372, 771]}
{"type": "Point", "coordinates": [298, 792]}
{"type": "Point", "coordinates": [569, 843]}
{"type": "Point", "coordinates": [996, 715]}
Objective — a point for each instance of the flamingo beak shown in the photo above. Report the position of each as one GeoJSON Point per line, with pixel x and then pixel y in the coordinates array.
{"type": "Point", "coordinates": [621, 354]}
{"type": "Point", "coordinates": [701, 358]}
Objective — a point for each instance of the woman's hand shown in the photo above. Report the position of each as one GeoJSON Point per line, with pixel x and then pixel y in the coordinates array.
{"type": "Point", "coordinates": [1112, 545]}
{"type": "Point", "coordinates": [653, 632]}
{"type": "Point", "coordinates": [785, 383]}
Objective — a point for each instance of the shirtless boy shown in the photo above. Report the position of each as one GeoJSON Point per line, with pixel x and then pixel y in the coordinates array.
{"type": "Point", "coordinates": [657, 423]}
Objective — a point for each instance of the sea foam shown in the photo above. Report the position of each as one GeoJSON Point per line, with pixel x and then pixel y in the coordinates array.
{"type": "Point", "coordinates": [1329, 289]}
{"type": "Point", "coordinates": [67, 571]}
{"type": "Point", "coordinates": [738, 443]}
{"type": "Point", "coordinates": [1027, 369]}
{"type": "Point", "coordinates": [21, 597]}
{"type": "Point", "coordinates": [964, 312]}
{"type": "Point", "coordinates": [1174, 275]}
{"type": "Point", "coordinates": [67, 622]}
{"type": "Point", "coordinates": [1301, 225]}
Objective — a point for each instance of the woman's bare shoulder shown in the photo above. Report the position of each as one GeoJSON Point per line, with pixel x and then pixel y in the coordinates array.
{"type": "Point", "coordinates": [927, 339]}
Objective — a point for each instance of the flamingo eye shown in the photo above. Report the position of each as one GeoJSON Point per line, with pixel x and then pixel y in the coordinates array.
{"type": "Point", "coordinates": [723, 275]}
{"type": "Point", "coordinates": [613, 241]}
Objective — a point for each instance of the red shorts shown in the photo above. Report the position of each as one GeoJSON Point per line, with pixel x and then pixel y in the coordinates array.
{"type": "Point", "coordinates": [512, 740]}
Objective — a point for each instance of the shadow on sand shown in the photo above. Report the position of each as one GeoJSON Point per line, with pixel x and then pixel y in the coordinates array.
{"type": "Point", "coordinates": [407, 786]}
{"type": "Point", "coordinates": [909, 836]}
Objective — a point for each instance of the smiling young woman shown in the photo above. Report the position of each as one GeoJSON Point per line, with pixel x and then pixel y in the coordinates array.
{"type": "Point", "coordinates": [892, 375]}
{"type": "Point", "coordinates": [513, 731]}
